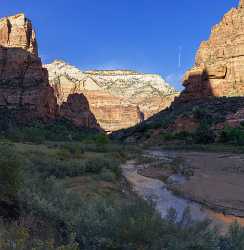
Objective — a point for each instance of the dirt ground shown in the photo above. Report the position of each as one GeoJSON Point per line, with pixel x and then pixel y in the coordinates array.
{"type": "Point", "coordinates": [217, 180]}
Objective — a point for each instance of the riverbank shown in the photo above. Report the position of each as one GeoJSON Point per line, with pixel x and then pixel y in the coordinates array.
{"type": "Point", "coordinates": [210, 184]}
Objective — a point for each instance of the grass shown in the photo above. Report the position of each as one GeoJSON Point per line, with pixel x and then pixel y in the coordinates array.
{"type": "Point", "coordinates": [71, 195]}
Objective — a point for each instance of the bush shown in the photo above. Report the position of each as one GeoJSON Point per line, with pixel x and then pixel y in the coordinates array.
{"type": "Point", "coordinates": [101, 139]}
{"type": "Point", "coordinates": [30, 134]}
{"type": "Point", "coordinates": [70, 150]}
{"type": "Point", "coordinates": [10, 173]}
{"type": "Point", "coordinates": [234, 240]}
{"type": "Point", "coordinates": [204, 135]}
{"type": "Point", "coordinates": [167, 136]}
{"type": "Point", "coordinates": [184, 135]}
{"type": "Point", "coordinates": [75, 149]}
{"type": "Point", "coordinates": [107, 175]}
{"type": "Point", "coordinates": [97, 223]}
{"type": "Point", "coordinates": [232, 135]}
{"type": "Point", "coordinates": [17, 237]}
{"type": "Point", "coordinates": [100, 223]}
{"type": "Point", "coordinates": [46, 166]}
{"type": "Point", "coordinates": [72, 221]}
{"type": "Point", "coordinates": [59, 130]}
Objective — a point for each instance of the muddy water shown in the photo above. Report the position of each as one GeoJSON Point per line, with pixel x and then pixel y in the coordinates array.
{"type": "Point", "coordinates": [156, 190]}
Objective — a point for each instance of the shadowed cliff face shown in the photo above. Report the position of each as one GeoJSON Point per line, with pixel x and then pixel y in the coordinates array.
{"type": "Point", "coordinates": [25, 93]}
{"type": "Point", "coordinates": [26, 96]}
{"type": "Point", "coordinates": [77, 110]}
{"type": "Point", "coordinates": [219, 64]}
{"type": "Point", "coordinates": [24, 85]}
{"type": "Point", "coordinates": [198, 85]}
{"type": "Point", "coordinates": [213, 87]}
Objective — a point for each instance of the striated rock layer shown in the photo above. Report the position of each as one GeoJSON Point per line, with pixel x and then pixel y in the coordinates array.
{"type": "Point", "coordinates": [118, 98]}
{"type": "Point", "coordinates": [24, 86]}
{"type": "Point", "coordinates": [219, 66]}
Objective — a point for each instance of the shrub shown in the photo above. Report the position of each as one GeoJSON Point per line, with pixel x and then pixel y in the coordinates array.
{"type": "Point", "coordinates": [75, 149]}
{"type": "Point", "coordinates": [99, 164]}
{"type": "Point", "coordinates": [100, 223]}
{"type": "Point", "coordinates": [184, 135]}
{"type": "Point", "coordinates": [59, 130]}
{"type": "Point", "coordinates": [101, 139]}
{"type": "Point", "coordinates": [234, 240]}
{"type": "Point", "coordinates": [204, 135]}
{"type": "Point", "coordinates": [14, 236]}
{"type": "Point", "coordinates": [202, 115]}
{"type": "Point", "coordinates": [10, 173]}
{"type": "Point", "coordinates": [107, 175]}
{"type": "Point", "coordinates": [61, 167]}
{"type": "Point", "coordinates": [168, 136]}
{"type": "Point", "coordinates": [232, 135]}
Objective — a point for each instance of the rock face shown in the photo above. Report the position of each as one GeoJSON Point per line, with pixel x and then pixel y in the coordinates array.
{"type": "Point", "coordinates": [219, 66]}
{"type": "Point", "coordinates": [118, 98]}
{"type": "Point", "coordinates": [77, 110]}
{"type": "Point", "coordinates": [24, 87]}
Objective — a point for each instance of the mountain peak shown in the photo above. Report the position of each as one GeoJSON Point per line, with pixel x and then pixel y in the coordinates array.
{"type": "Point", "coordinates": [118, 98]}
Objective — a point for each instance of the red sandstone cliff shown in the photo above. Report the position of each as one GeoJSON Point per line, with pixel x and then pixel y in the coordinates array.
{"type": "Point", "coordinates": [219, 66]}
{"type": "Point", "coordinates": [118, 98]}
{"type": "Point", "coordinates": [24, 85]}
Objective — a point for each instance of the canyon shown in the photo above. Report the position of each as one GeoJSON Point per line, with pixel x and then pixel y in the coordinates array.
{"type": "Point", "coordinates": [213, 88]}
{"type": "Point", "coordinates": [25, 92]}
{"type": "Point", "coordinates": [108, 100]}
{"type": "Point", "coordinates": [74, 179]}
{"type": "Point", "coordinates": [118, 98]}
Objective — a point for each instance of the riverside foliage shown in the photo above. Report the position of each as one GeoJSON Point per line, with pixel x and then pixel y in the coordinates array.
{"type": "Point", "coordinates": [71, 196]}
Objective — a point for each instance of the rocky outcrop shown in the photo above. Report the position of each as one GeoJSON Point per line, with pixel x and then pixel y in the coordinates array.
{"type": "Point", "coordinates": [17, 32]}
{"type": "Point", "coordinates": [219, 66]}
{"type": "Point", "coordinates": [24, 86]}
{"type": "Point", "coordinates": [118, 98]}
{"type": "Point", "coordinates": [77, 110]}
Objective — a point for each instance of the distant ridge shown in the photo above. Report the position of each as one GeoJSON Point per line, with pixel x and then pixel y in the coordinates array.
{"type": "Point", "coordinates": [118, 98]}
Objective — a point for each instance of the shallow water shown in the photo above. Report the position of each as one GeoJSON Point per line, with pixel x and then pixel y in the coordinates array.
{"type": "Point", "coordinates": [156, 190]}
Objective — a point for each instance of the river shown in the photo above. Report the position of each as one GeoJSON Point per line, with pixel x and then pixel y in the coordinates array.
{"type": "Point", "coordinates": [164, 199]}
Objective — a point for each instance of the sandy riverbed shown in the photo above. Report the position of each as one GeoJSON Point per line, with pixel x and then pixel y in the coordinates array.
{"type": "Point", "coordinates": [214, 191]}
